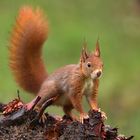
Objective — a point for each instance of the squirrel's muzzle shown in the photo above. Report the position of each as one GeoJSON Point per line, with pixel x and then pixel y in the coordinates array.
{"type": "Point", "coordinates": [99, 73]}
{"type": "Point", "coordinates": [96, 74]}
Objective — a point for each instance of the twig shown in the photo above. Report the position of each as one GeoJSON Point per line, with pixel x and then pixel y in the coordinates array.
{"type": "Point", "coordinates": [42, 109]}
{"type": "Point", "coordinates": [36, 100]}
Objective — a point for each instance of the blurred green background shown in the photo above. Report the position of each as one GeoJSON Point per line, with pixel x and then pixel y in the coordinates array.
{"type": "Point", "coordinates": [117, 23]}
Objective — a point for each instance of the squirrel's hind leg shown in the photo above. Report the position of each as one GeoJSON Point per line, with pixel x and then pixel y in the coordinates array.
{"type": "Point", "coordinates": [68, 111]}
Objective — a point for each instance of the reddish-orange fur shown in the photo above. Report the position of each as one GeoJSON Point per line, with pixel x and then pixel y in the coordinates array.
{"type": "Point", "coordinates": [68, 83]}
{"type": "Point", "coordinates": [28, 36]}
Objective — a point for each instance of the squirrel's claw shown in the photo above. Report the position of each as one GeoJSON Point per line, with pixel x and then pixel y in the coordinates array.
{"type": "Point", "coordinates": [83, 116]}
{"type": "Point", "coordinates": [43, 118]}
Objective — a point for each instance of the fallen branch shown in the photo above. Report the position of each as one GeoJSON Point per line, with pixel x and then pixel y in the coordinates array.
{"type": "Point", "coordinates": [23, 124]}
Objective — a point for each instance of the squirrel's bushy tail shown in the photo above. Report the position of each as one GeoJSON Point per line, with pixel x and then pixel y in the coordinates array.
{"type": "Point", "coordinates": [28, 35]}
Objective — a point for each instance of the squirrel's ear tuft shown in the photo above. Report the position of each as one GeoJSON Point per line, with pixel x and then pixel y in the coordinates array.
{"type": "Point", "coordinates": [84, 53]}
{"type": "Point", "coordinates": [97, 49]}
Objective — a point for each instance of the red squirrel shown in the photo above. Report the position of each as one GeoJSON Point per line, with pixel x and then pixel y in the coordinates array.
{"type": "Point", "coordinates": [69, 83]}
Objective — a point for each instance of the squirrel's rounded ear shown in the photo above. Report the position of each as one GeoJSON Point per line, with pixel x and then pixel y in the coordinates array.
{"type": "Point", "coordinates": [97, 49]}
{"type": "Point", "coordinates": [84, 53]}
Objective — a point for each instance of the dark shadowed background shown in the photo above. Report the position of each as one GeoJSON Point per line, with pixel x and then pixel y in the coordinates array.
{"type": "Point", "coordinates": [116, 23]}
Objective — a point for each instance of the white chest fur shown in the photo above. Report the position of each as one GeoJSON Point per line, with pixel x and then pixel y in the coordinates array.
{"type": "Point", "coordinates": [88, 86]}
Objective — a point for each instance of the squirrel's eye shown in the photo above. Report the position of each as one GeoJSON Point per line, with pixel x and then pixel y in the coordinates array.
{"type": "Point", "coordinates": [89, 64]}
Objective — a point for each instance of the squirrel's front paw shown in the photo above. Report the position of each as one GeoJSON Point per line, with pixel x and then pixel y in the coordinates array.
{"type": "Point", "coordinates": [83, 116]}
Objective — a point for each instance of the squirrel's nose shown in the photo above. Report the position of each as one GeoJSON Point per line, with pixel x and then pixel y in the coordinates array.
{"type": "Point", "coordinates": [99, 73]}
